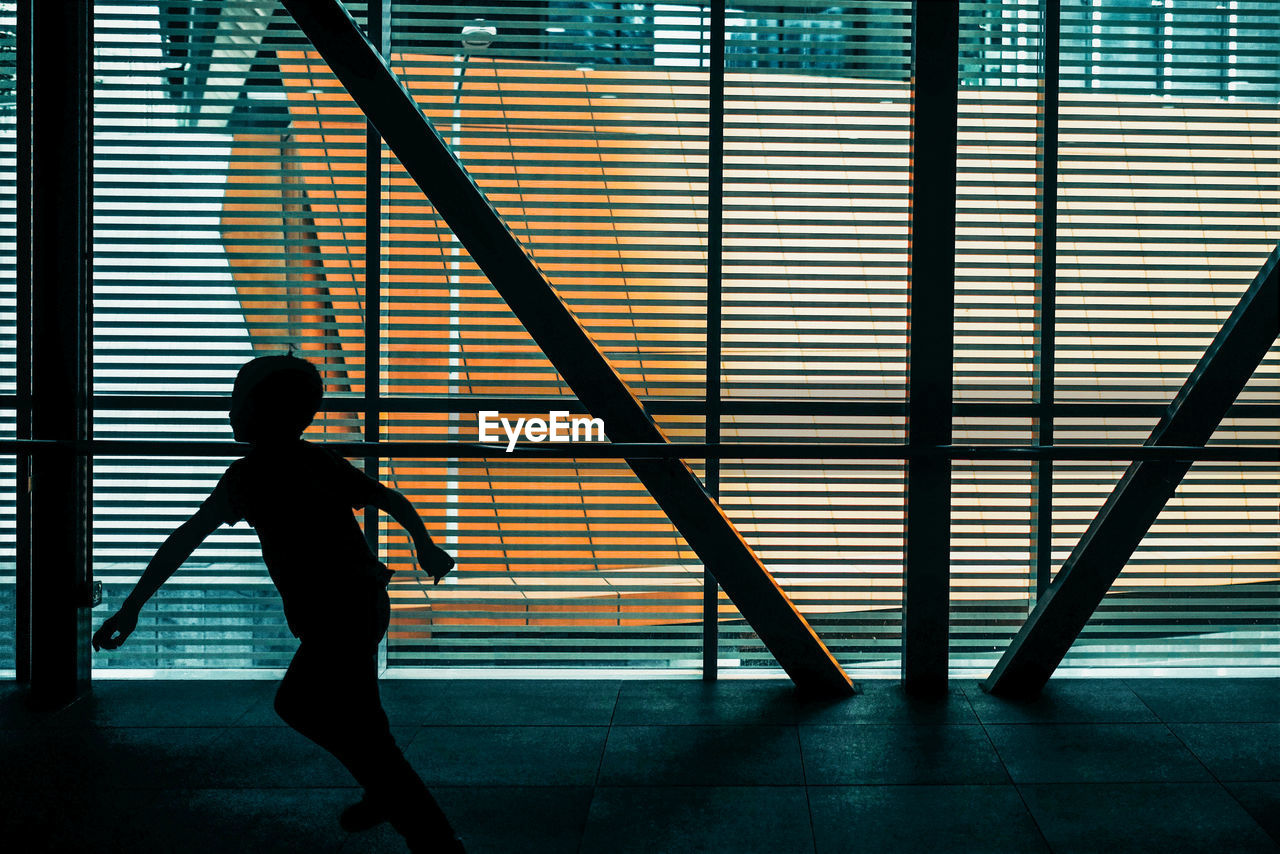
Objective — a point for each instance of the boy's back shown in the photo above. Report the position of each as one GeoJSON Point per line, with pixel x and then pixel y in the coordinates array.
{"type": "Point", "coordinates": [299, 497]}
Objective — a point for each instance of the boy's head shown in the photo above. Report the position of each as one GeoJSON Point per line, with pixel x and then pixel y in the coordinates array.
{"type": "Point", "coordinates": [275, 397]}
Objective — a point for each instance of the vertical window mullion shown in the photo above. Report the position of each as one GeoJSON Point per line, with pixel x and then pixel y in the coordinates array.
{"type": "Point", "coordinates": [379, 31]}
{"type": "Point", "coordinates": [1046, 252]}
{"type": "Point", "coordinates": [930, 345]}
{"type": "Point", "coordinates": [715, 245]}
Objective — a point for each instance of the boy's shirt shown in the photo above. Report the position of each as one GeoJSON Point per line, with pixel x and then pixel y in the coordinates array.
{"type": "Point", "coordinates": [299, 498]}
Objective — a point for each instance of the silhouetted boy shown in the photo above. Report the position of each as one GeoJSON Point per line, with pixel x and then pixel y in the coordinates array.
{"type": "Point", "coordinates": [299, 497]}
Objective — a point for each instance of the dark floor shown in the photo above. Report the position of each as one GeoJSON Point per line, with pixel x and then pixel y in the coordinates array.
{"type": "Point", "coordinates": [656, 766]}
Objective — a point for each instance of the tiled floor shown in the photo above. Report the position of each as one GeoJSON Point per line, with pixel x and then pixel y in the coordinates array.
{"type": "Point", "coordinates": [664, 766]}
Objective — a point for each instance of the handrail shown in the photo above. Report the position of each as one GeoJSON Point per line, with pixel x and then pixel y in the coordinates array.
{"type": "Point", "coordinates": [667, 450]}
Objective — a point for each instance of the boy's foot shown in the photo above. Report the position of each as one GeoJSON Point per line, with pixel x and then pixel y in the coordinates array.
{"type": "Point", "coordinates": [362, 815]}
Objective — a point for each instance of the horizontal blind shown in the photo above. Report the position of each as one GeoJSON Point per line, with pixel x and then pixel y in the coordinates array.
{"type": "Point", "coordinates": [999, 214]}
{"type": "Point", "coordinates": [220, 609]}
{"type": "Point", "coordinates": [205, 249]}
{"type": "Point", "coordinates": [1202, 589]}
{"type": "Point", "coordinates": [1169, 201]}
{"type": "Point", "coordinates": [816, 201]}
{"type": "Point", "coordinates": [557, 147]}
{"type": "Point", "coordinates": [586, 128]}
{"type": "Point", "coordinates": [1169, 191]}
{"type": "Point", "coordinates": [830, 531]}
{"type": "Point", "coordinates": [8, 330]}
{"type": "Point", "coordinates": [208, 250]}
{"type": "Point", "coordinates": [998, 210]}
{"type": "Point", "coordinates": [561, 564]}
{"type": "Point", "coordinates": [992, 517]}
{"type": "Point", "coordinates": [816, 177]}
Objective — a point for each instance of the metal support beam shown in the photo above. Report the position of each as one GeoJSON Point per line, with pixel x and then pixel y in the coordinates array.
{"type": "Point", "coordinates": [553, 326]}
{"type": "Point", "coordinates": [1047, 293]}
{"type": "Point", "coordinates": [1143, 491]}
{"type": "Point", "coordinates": [715, 268]}
{"type": "Point", "coordinates": [926, 594]}
{"type": "Point", "coordinates": [55, 250]}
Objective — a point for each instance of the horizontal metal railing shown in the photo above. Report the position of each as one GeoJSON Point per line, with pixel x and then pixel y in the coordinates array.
{"type": "Point", "coordinates": [670, 450]}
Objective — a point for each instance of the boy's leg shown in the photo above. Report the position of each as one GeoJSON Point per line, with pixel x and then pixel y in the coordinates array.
{"type": "Point", "coordinates": [330, 695]}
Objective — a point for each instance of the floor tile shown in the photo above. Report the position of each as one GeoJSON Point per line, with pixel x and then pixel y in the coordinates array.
{"type": "Point", "coordinates": [270, 757]}
{"type": "Point", "coordinates": [702, 755]}
{"type": "Point", "coordinates": [498, 820]}
{"type": "Point", "coordinates": [95, 757]}
{"type": "Point", "coordinates": [74, 820]}
{"type": "Point", "coordinates": [486, 702]}
{"type": "Point", "coordinates": [262, 821]}
{"type": "Point", "coordinates": [262, 712]}
{"type": "Point", "coordinates": [1234, 751]}
{"type": "Point", "coordinates": [694, 701]}
{"type": "Point", "coordinates": [937, 819]}
{"type": "Point", "coordinates": [1262, 801]}
{"type": "Point", "coordinates": [1210, 700]}
{"type": "Point", "coordinates": [1063, 701]}
{"type": "Point", "coordinates": [15, 712]}
{"type": "Point", "coordinates": [1093, 753]}
{"type": "Point", "coordinates": [164, 702]}
{"type": "Point", "coordinates": [407, 702]}
{"type": "Point", "coordinates": [547, 819]}
{"type": "Point", "coordinates": [881, 701]}
{"type": "Point", "coordinates": [897, 753]}
{"type": "Point", "coordinates": [750, 820]}
{"type": "Point", "coordinates": [411, 702]}
{"type": "Point", "coordinates": [507, 755]}
{"type": "Point", "coordinates": [1129, 818]}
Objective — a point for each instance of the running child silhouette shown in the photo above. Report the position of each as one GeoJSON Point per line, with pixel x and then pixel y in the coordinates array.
{"type": "Point", "coordinates": [299, 497]}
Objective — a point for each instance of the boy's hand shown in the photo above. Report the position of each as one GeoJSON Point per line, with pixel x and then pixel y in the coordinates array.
{"type": "Point", "coordinates": [436, 561]}
{"type": "Point", "coordinates": [121, 623]}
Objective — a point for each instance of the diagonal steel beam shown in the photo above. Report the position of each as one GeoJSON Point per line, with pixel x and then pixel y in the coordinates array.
{"type": "Point", "coordinates": [553, 326]}
{"type": "Point", "coordinates": [1142, 493]}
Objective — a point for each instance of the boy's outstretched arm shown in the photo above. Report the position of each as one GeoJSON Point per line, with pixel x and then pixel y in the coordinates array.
{"type": "Point", "coordinates": [172, 553]}
{"type": "Point", "coordinates": [433, 559]}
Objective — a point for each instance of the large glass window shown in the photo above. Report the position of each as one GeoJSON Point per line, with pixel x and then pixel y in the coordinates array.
{"type": "Point", "coordinates": [232, 217]}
